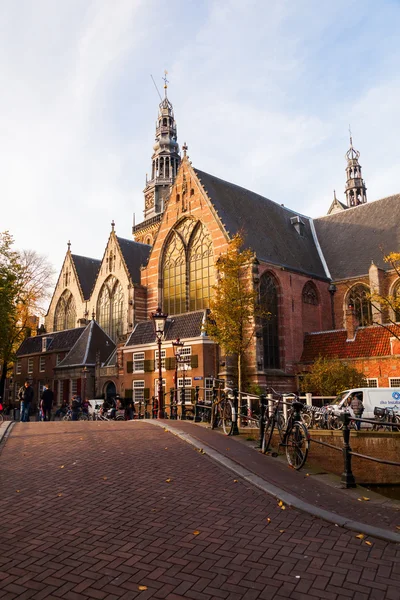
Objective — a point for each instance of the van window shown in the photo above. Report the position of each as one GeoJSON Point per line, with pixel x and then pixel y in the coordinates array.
{"type": "Point", "coordinates": [339, 398]}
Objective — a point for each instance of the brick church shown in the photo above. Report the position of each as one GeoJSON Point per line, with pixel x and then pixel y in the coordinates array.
{"type": "Point", "coordinates": [313, 276]}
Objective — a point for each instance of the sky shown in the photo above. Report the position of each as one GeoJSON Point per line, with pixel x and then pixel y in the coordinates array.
{"type": "Point", "coordinates": [263, 94]}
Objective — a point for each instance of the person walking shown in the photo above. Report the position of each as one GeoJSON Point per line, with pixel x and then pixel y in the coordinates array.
{"type": "Point", "coordinates": [47, 403]}
{"type": "Point", "coordinates": [75, 407]}
{"type": "Point", "coordinates": [25, 395]}
{"type": "Point", "coordinates": [357, 406]}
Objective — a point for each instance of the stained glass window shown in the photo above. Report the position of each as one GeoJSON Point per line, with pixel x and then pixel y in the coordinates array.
{"type": "Point", "coordinates": [358, 298]}
{"type": "Point", "coordinates": [188, 268]}
{"type": "Point", "coordinates": [65, 313]}
{"type": "Point", "coordinates": [310, 294]}
{"type": "Point", "coordinates": [270, 323]}
{"type": "Point", "coordinates": [110, 308]}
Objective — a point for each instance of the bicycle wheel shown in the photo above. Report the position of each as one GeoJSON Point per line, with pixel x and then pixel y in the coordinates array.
{"type": "Point", "coordinates": [227, 416]}
{"type": "Point", "coordinates": [297, 445]}
{"type": "Point", "coordinates": [307, 419]}
{"type": "Point", "coordinates": [83, 417]}
{"type": "Point", "coordinates": [267, 437]}
{"type": "Point", "coordinates": [334, 422]}
{"type": "Point", "coordinates": [66, 418]}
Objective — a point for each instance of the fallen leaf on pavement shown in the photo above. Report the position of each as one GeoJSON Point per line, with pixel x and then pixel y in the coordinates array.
{"type": "Point", "coordinates": [59, 495]}
{"type": "Point", "coordinates": [307, 474]}
{"type": "Point", "coordinates": [62, 466]}
{"type": "Point", "coordinates": [165, 448]}
{"type": "Point", "coordinates": [18, 491]}
{"type": "Point", "coordinates": [269, 520]}
{"type": "Point", "coordinates": [397, 526]}
{"type": "Point", "coordinates": [366, 499]}
{"type": "Point", "coordinates": [368, 543]}
{"type": "Point", "coordinates": [281, 531]}
{"type": "Point", "coordinates": [105, 478]}
{"type": "Point", "coordinates": [168, 480]}
{"type": "Point", "coordinates": [196, 532]}
{"type": "Point", "coordinates": [283, 507]}
{"type": "Point", "coordinates": [235, 481]}
{"type": "Point", "coordinates": [141, 588]}
{"type": "Point", "coordinates": [280, 503]}
{"type": "Point", "coordinates": [360, 536]}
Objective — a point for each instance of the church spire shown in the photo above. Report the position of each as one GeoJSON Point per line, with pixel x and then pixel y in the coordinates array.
{"type": "Point", "coordinates": [356, 192]}
{"type": "Point", "coordinates": [165, 159]}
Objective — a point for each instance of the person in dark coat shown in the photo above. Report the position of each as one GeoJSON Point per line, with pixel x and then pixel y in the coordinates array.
{"type": "Point", "coordinates": [26, 395]}
{"type": "Point", "coordinates": [356, 404]}
{"type": "Point", "coordinates": [47, 403]}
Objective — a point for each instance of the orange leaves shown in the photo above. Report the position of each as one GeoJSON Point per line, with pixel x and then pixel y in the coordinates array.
{"type": "Point", "coordinates": [196, 532]}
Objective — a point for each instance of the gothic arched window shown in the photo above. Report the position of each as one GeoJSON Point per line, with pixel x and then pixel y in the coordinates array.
{"type": "Point", "coordinates": [110, 308]}
{"type": "Point", "coordinates": [270, 322]}
{"type": "Point", "coordinates": [310, 294]}
{"type": "Point", "coordinates": [65, 313]}
{"type": "Point", "coordinates": [188, 268]}
{"type": "Point", "coordinates": [359, 298]}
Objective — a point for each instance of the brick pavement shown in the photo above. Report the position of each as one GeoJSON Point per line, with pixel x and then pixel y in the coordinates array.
{"type": "Point", "coordinates": [87, 512]}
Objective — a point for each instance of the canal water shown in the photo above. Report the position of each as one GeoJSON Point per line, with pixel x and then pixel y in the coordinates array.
{"type": "Point", "coordinates": [390, 491]}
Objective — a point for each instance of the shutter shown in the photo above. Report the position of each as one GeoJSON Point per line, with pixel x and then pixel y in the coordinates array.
{"type": "Point", "coordinates": [170, 363]}
{"type": "Point", "coordinates": [128, 394]}
{"type": "Point", "coordinates": [129, 366]}
{"type": "Point", "coordinates": [146, 393]}
{"type": "Point", "coordinates": [194, 361]}
{"type": "Point", "coordinates": [149, 365]}
{"type": "Point", "coordinates": [192, 391]}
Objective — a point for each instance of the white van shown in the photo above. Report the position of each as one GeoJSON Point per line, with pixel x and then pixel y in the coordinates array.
{"type": "Point", "coordinates": [371, 398]}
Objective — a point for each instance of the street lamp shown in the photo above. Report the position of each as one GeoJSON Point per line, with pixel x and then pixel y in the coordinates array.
{"type": "Point", "coordinates": [159, 319]}
{"type": "Point", "coordinates": [176, 347]}
{"type": "Point", "coordinates": [84, 372]}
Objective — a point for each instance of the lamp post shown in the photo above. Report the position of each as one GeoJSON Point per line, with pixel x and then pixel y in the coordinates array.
{"type": "Point", "coordinates": [176, 346]}
{"type": "Point", "coordinates": [159, 319]}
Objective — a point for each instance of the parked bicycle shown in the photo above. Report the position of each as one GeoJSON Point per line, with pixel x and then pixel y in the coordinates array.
{"type": "Point", "coordinates": [223, 412]}
{"type": "Point", "coordinates": [293, 434]}
{"type": "Point", "coordinates": [386, 415]}
{"type": "Point", "coordinates": [82, 416]}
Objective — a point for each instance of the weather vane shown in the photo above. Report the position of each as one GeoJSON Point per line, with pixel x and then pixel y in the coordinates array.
{"type": "Point", "coordinates": [165, 82]}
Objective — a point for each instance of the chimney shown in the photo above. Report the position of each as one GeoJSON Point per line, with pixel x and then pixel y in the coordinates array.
{"type": "Point", "coordinates": [351, 323]}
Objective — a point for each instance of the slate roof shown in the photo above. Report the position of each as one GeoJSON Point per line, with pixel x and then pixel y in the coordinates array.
{"type": "Point", "coordinates": [60, 341]}
{"type": "Point", "coordinates": [87, 270]}
{"type": "Point", "coordinates": [352, 238]}
{"type": "Point", "coordinates": [369, 342]}
{"type": "Point", "coordinates": [266, 225]}
{"type": "Point", "coordinates": [92, 340]}
{"type": "Point", "coordinates": [188, 325]}
{"type": "Point", "coordinates": [135, 255]}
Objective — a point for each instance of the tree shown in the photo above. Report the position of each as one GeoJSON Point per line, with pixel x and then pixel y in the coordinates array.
{"type": "Point", "coordinates": [25, 282]}
{"type": "Point", "coordinates": [389, 305]}
{"type": "Point", "coordinates": [329, 377]}
{"type": "Point", "coordinates": [233, 308]}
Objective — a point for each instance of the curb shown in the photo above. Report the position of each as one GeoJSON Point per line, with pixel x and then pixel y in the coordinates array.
{"type": "Point", "coordinates": [5, 429]}
{"type": "Point", "coordinates": [279, 494]}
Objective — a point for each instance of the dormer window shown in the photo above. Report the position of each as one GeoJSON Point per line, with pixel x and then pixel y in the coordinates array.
{"type": "Point", "coordinates": [298, 224]}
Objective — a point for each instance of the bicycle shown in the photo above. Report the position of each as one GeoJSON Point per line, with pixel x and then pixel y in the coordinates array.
{"type": "Point", "coordinates": [293, 435]}
{"type": "Point", "coordinates": [223, 413]}
{"type": "Point", "coordinates": [386, 415]}
{"type": "Point", "coordinates": [81, 416]}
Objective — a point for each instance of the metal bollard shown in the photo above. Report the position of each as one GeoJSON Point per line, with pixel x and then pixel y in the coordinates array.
{"type": "Point", "coordinates": [172, 403]}
{"type": "Point", "coordinates": [154, 408]}
{"type": "Point", "coordinates": [196, 402]}
{"type": "Point", "coordinates": [214, 417]}
{"type": "Point", "coordinates": [183, 405]}
{"type": "Point", "coordinates": [235, 429]}
{"type": "Point", "coordinates": [263, 407]}
{"type": "Point", "coordinates": [140, 409]}
{"type": "Point", "coordinates": [347, 475]}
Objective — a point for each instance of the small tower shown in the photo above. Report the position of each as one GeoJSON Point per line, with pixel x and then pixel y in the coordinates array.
{"type": "Point", "coordinates": [356, 192]}
{"type": "Point", "coordinates": [165, 165]}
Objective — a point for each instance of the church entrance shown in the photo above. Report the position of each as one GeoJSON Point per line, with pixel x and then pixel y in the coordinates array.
{"type": "Point", "coordinates": [110, 390]}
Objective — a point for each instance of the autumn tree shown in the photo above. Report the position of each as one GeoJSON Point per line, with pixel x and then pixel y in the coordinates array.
{"type": "Point", "coordinates": [25, 282]}
{"type": "Point", "coordinates": [389, 305]}
{"type": "Point", "coordinates": [329, 377]}
{"type": "Point", "coordinates": [233, 308]}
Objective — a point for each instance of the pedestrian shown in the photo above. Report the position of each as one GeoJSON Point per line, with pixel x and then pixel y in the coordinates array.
{"type": "Point", "coordinates": [75, 406]}
{"type": "Point", "coordinates": [357, 406]}
{"type": "Point", "coordinates": [25, 395]}
{"type": "Point", "coordinates": [129, 409]}
{"type": "Point", "coordinates": [47, 403]}
{"type": "Point", "coordinates": [62, 410]}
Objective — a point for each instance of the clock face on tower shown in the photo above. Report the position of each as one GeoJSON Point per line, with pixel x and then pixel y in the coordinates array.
{"type": "Point", "coordinates": [149, 200]}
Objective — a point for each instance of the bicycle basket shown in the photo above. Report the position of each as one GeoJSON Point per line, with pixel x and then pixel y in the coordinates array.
{"type": "Point", "coordinates": [379, 412]}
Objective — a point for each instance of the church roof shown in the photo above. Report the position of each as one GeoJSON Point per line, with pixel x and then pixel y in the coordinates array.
{"type": "Point", "coordinates": [350, 239]}
{"type": "Point", "coordinates": [135, 256]}
{"type": "Point", "coordinates": [266, 226]}
{"type": "Point", "coordinates": [60, 341]}
{"type": "Point", "coordinates": [87, 270]}
{"type": "Point", "coordinates": [92, 340]}
{"type": "Point", "coordinates": [368, 342]}
{"type": "Point", "coordinates": [188, 325]}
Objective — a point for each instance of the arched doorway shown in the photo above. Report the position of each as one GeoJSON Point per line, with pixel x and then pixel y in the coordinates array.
{"type": "Point", "coordinates": [110, 390]}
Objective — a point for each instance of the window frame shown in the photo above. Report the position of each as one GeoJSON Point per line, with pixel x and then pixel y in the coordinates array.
{"type": "Point", "coordinates": [369, 380]}
{"type": "Point", "coordinates": [138, 387]}
{"type": "Point", "coordinates": [30, 365]}
{"type": "Point", "coordinates": [42, 364]}
{"type": "Point", "coordinates": [391, 379]}
{"type": "Point", "coordinates": [138, 360]}
{"type": "Point", "coordinates": [18, 367]}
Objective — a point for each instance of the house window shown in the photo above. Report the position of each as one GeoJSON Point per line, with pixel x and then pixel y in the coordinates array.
{"type": "Point", "coordinates": [58, 358]}
{"type": "Point", "coordinates": [188, 268]}
{"type": "Point", "coordinates": [74, 386]}
{"type": "Point", "coordinates": [138, 362]}
{"type": "Point", "coordinates": [156, 387]}
{"type": "Point", "coordinates": [138, 391]}
{"type": "Point", "coordinates": [270, 333]}
{"type": "Point", "coordinates": [156, 360]}
{"type": "Point", "coordinates": [394, 382]}
{"type": "Point", "coordinates": [188, 388]}
{"type": "Point", "coordinates": [60, 391]}
{"type": "Point", "coordinates": [359, 299]}
{"type": "Point", "coordinates": [42, 363]}
{"type": "Point", "coordinates": [208, 385]}
{"type": "Point", "coordinates": [30, 365]}
{"type": "Point", "coordinates": [372, 382]}
{"type": "Point", "coordinates": [18, 367]}
{"type": "Point", "coordinates": [185, 354]}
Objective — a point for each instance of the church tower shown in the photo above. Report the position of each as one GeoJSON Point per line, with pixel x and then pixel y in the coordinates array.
{"type": "Point", "coordinates": [356, 192]}
{"type": "Point", "coordinates": [165, 165]}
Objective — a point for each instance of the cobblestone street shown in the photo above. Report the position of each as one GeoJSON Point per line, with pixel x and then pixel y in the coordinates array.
{"type": "Point", "coordinates": [124, 510]}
